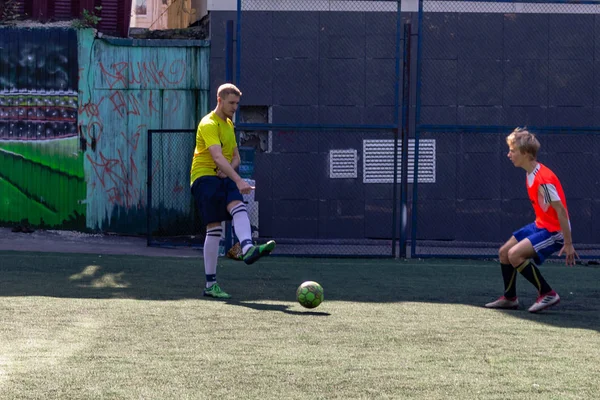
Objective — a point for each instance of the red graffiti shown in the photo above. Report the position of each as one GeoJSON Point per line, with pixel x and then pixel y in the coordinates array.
{"type": "Point", "coordinates": [144, 74]}
{"type": "Point", "coordinates": [131, 104]}
{"type": "Point", "coordinates": [124, 104]}
{"type": "Point", "coordinates": [90, 109]}
{"type": "Point", "coordinates": [118, 101]}
{"type": "Point", "coordinates": [118, 178]}
{"type": "Point", "coordinates": [171, 102]}
{"type": "Point", "coordinates": [94, 128]}
{"type": "Point", "coordinates": [117, 112]}
{"type": "Point", "coordinates": [151, 106]}
{"type": "Point", "coordinates": [133, 142]}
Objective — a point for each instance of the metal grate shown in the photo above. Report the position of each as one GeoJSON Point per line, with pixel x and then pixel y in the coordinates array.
{"type": "Point", "coordinates": [343, 164]}
{"type": "Point", "coordinates": [378, 161]}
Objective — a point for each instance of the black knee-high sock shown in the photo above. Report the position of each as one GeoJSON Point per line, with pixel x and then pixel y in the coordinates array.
{"type": "Point", "coordinates": [509, 274]}
{"type": "Point", "coordinates": [533, 275]}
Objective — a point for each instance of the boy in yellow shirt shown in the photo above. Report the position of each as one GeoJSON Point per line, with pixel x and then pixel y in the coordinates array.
{"type": "Point", "coordinates": [217, 187]}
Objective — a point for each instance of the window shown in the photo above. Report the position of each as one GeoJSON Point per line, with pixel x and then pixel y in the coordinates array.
{"type": "Point", "coordinates": [140, 7]}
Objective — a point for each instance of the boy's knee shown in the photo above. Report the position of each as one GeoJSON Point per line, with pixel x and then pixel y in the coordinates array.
{"type": "Point", "coordinates": [503, 254]}
{"type": "Point", "coordinates": [213, 225]}
{"type": "Point", "coordinates": [514, 258]}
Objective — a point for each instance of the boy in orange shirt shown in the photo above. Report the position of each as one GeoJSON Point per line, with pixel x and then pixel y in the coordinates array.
{"type": "Point", "coordinates": [551, 231]}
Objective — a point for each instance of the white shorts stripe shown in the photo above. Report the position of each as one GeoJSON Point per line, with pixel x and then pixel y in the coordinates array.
{"type": "Point", "coordinates": [548, 242]}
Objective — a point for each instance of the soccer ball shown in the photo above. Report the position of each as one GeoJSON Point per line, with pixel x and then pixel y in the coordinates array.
{"type": "Point", "coordinates": [309, 294]}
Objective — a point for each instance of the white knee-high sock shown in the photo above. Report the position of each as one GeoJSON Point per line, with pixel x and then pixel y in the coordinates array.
{"type": "Point", "coordinates": [211, 254]}
{"type": "Point", "coordinates": [241, 224]}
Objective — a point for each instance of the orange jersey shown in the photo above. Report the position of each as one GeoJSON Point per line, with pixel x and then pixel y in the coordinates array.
{"type": "Point", "coordinates": [544, 189]}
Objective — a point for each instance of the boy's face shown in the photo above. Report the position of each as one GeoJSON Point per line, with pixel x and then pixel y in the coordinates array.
{"type": "Point", "coordinates": [229, 105]}
{"type": "Point", "coordinates": [518, 159]}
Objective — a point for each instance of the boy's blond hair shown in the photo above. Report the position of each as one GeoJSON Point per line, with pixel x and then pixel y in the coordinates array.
{"type": "Point", "coordinates": [524, 141]}
{"type": "Point", "coordinates": [226, 89]}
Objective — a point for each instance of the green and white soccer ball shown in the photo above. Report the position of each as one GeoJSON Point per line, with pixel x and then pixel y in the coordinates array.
{"type": "Point", "coordinates": [309, 294]}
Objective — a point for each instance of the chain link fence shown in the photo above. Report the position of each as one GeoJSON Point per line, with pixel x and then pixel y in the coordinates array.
{"type": "Point", "coordinates": [172, 216]}
{"type": "Point", "coordinates": [329, 192]}
{"type": "Point", "coordinates": [329, 75]}
{"type": "Point", "coordinates": [321, 62]}
{"type": "Point", "coordinates": [484, 69]}
{"type": "Point", "coordinates": [322, 111]}
{"type": "Point", "coordinates": [319, 202]}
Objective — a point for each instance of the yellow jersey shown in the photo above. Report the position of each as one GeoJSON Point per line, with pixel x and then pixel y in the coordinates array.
{"type": "Point", "coordinates": [212, 130]}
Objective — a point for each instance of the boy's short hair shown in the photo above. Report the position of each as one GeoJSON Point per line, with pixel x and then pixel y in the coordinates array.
{"type": "Point", "coordinates": [524, 141]}
{"type": "Point", "coordinates": [226, 89]}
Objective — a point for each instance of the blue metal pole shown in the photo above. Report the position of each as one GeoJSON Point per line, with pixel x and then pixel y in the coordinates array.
{"type": "Point", "coordinates": [238, 44]}
{"type": "Point", "coordinates": [413, 245]}
{"type": "Point", "coordinates": [396, 131]}
{"type": "Point", "coordinates": [229, 78]}
{"type": "Point", "coordinates": [149, 190]}
{"type": "Point", "coordinates": [229, 51]}
{"type": "Point", "coordinates": [405, 129]}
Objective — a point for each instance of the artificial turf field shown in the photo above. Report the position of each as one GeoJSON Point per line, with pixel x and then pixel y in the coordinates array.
{"type": "Point", "coordinates": [77, 326]}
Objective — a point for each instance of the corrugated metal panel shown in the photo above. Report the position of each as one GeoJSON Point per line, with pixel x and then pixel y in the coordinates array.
{"type": "Point", "coordinates": [110, 16]}
{"type": "Point", "coordinates": [134, 88]}
{"type": "Point", "coordinates": [63, 9]}
{"type": "Point", "coordinates": [19, 6]}
{"type": "Point", "coordinates": [124, 18]}
{"type": "Point", "coordinates": [39, 10]}
{"type": "Point", "coordinates": [115, 14]}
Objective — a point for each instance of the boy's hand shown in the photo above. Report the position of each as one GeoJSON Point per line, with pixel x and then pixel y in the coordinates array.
{"type": "Point", "coordinates": [570, 254]}
{"type": "Point", "coordinates": [244, 187]}
{"type": "Point", "coordinates": [220, 174]}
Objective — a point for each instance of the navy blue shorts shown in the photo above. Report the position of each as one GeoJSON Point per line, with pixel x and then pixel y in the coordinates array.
{"type": "Point", "coordinates": [545, 243]}
{"type": "Point", "coordinates": [212, 195]}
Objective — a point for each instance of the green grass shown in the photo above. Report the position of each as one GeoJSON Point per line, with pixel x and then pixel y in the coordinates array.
{"type": "Point", "coordinates": [125, 327]}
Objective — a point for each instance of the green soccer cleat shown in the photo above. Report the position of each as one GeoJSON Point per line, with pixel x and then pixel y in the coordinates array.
{"type": "Point", "coordinates": [256, 252]}
{"type": "Point", "coordinates": [216, 292]}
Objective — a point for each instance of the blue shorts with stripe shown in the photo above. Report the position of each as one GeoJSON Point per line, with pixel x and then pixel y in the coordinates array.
{"type": "Point", "coordinates": [212, 195]}
{"type": "Point", "coordinates": [544, 243]}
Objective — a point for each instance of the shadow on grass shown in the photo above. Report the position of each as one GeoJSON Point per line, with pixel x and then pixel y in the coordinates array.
{"type": "Point", "coordinates": [275, 307]}
{"type": "Point", "coordinates": [461, 282]}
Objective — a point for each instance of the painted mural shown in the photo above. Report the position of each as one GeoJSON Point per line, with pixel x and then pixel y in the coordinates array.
{"type": "Point", "coordinates": [74, 115]}
{"type": "Point", "coordinates": [42, 179]}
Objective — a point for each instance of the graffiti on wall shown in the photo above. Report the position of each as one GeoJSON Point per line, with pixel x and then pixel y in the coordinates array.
{"type": "Point", "coordinates": [41, 167]}
{"type": "Point", "coordinates": [116, 170]}
{"type": "Point", "coordinates": [124, 91]}
{"type": "Point", "coordinates": [144, 73]}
